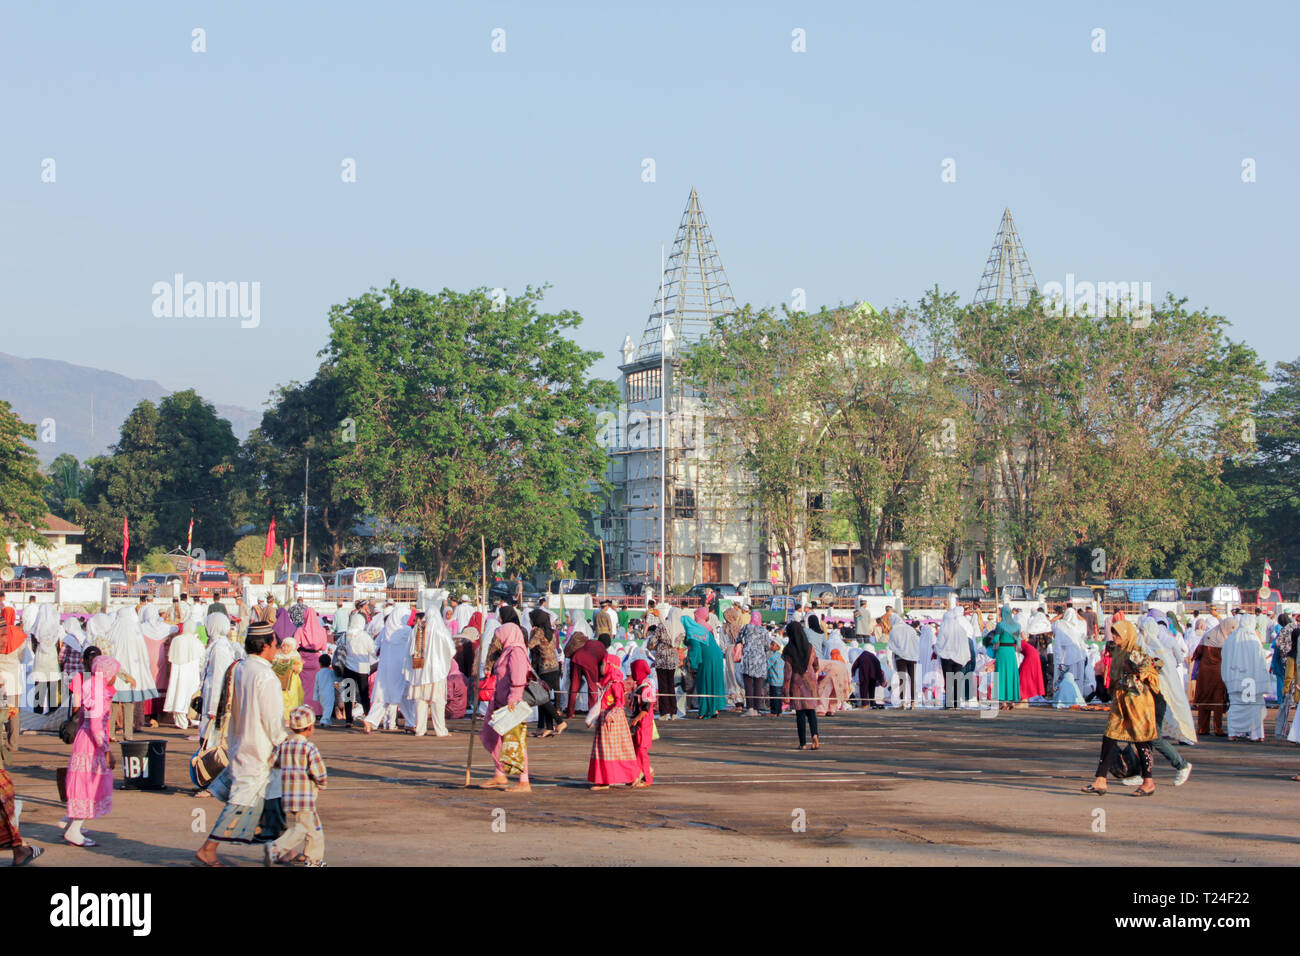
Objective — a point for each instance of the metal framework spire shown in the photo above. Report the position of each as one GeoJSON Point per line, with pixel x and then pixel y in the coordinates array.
{"type": "Point", "coordinates": [694, 289]}
{"type": "Point", "coordinates": [1007, 279]}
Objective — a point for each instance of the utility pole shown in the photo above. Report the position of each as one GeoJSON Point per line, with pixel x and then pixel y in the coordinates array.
{"type": "Point", "coordinates": [306, 471]}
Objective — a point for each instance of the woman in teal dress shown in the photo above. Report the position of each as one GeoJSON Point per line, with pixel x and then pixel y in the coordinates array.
{"type": "Point", "coordinates": [1006, 636]}
{"type": "Point", "coordinates": [705, 657]}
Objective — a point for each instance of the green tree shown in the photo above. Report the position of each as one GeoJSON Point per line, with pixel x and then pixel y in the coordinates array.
{"type": "Point", "coordinates": [756, 374]}
{"type": "Point", "coordinates": [173, 461]}
{"type": "Point", "coordinates": [472, 417]}
{"type": "Point", "coordinates": [248, 553]}
{"type": "Point", "coordinates": [306, 428]}
{"type": "Point", "coordinates": [21, 482]}
{"type": "Point", "coordinates": [68, 480]}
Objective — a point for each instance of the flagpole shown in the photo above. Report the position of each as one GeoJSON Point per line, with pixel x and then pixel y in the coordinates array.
{"type": "Point", "coordinates": [306, 470]}
{"type": "Point", "coordinates": [663, 392]}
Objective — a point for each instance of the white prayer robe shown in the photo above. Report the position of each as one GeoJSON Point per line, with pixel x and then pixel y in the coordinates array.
{"type": "Point", "coordinates": [1245, 674]}
{"type": "Point", "coordinates": [256, 729]}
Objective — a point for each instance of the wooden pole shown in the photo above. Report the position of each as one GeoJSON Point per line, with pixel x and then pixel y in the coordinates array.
{"type": "Point", "coordinates": [482, 547]}
{"type": "Point", "coordinates": [602, 567]}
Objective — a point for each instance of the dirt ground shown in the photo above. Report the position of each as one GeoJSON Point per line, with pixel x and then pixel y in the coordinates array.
{"type": "Point", "coordinates": [929, 788]}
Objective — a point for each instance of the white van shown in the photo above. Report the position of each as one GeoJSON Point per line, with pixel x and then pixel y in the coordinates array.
{"type": "Point", "coordinates": [1220, 596]}
{"type": "Point", "coordinates": [357, 584]}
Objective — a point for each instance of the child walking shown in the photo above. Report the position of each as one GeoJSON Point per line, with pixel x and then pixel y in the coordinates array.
{"type": "Point", "coordinates": [303, 776]}
{"type": "Point", "coordinates": [324, 690]}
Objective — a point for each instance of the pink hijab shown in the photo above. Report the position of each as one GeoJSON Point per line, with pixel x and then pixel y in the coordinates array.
{"type": "Point", "coordinates": [701, 615]}
{"type": "Point", "coordinates": [756, 619]}
{"type": "Point", "coordinates": [97, 688]}
{"type": "Point", "coordinates": [311, 636]}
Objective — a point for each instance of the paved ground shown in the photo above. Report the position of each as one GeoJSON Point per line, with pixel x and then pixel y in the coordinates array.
{"type": "Point", "coordinates": [887, 787]}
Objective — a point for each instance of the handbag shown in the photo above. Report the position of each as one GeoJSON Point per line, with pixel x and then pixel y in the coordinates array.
{"type": "Point", "coordinates": [537, 693]}
{"type": "Point", "coordinates": [213, 757]}
{"type": "Point", "coordinates": [68, 728]}
{"type": "Point", "coordinates": [594, 711]}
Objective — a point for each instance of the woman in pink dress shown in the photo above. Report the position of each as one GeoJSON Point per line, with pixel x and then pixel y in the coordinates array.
{"type": "Point", "coordinates": [90, 768]}
{"type": "Point", "coordinates": [643, 723]}
{"type": "Point", "coordinates": [1031, 672]}
{"type": "Point", "coordinates": [613, 758]}
{"type": "Point", "coordinates": [312, 643]}
{"type": "Point", "coordinates": [509, 753]}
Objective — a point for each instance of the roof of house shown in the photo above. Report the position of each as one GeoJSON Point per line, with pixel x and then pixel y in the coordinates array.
{"type": "Point", "coordinates": [56, 525]}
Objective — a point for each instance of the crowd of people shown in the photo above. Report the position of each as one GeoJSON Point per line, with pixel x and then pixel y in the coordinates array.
{"type": "Point", "coordinates": [255, 685]}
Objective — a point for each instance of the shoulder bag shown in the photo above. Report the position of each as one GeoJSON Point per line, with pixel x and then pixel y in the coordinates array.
{"type": "Point", "coordinates": [212, 757]}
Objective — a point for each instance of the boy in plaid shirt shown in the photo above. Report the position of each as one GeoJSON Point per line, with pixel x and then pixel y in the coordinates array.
{"type": "Point", "coordinates": [303, 774]}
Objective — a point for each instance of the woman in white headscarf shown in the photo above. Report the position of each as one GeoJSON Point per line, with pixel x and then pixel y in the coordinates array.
{"type": "Point", "coordinates": [1173, 711]}
{"type": "Point", "coordinates": [1070, 650]}
{"type": "Point", "coordinates": [390, 680]}
{"type": "Point", "coordinates": [74, 645]}
{"type": "Point", "coordinates": [222, 652]}
{"type": "Point", "coordinates": [130, 651]}
{"type": "Point", "coordinates": [185, 659]}
{"type": "Point", "coordinates": [45, 667]}
{"type": "Point", "coordinates": [156, 631]}
{"type": "Point", "coordinates": [952, 644]}
{"type": "Point", "coordinates": [427, 664]}
{"type": "Point", "coordinates": [1245, 675]}
{"type": "Point", "coordinates": [98, 631]}
{"type": "Point", "coordinates": [905, 645]}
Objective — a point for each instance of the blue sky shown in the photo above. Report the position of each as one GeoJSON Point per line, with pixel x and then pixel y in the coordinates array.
{"type": "Point", "coordinates": [818, 170]}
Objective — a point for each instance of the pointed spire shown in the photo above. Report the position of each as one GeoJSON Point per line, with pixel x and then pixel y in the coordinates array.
{"type": "Point", "coordinates": [629, 350]}
{"type": "Point", "coordinates": [1007, 278]}
{"type": "Point", "coordinates": [693, 290]}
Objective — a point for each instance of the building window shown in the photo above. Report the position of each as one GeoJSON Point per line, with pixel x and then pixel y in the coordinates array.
{"type": "Point", "coordinates": [684, 498]}
{"type": "Point", "coordinates": [818, 523]}
{"type": "Point", "coordinates": [841, 567]}
{"type": "Point", "coordinates": [643, 386]}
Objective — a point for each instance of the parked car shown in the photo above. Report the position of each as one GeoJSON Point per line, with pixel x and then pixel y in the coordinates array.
{"type": "Point", "coordinates": [1010, 592]}
{"type": "Point", "coordinates": [858, 590]}
{"type": "Point", "coordinates": [407, 581]}
{"type": "Point", "coordinates": [757, 588]}
{"type": "Point", "coordinates": [1078, 595]}
{"type": "Point", "coordinates": [1111, 595]}
{"type": "Point", "coordinates": [966, 595]}
{"type": "Point", "coordinates": [308, 585]}
{"type": "Point", "coordinates": [938, 592]}
{"type": "Point", "coordinates": [612, 589]}
{"type": "Point", "coordinates": [505, 591]}
{"type": "Point", "coordinates": [34, 577]}
{"type": "Point", "coordinates": [1166, 595]}
{"type": "Point", "coordinates": [719, 590]}
{"type": "Point", "coordinates": [822, 592]}
{"type": "Point", "coordinates": [152, 583]}
{"type": "Point", "coordinates": [211, 582]}
{"type": "Point", "coordinates": [116, 578]}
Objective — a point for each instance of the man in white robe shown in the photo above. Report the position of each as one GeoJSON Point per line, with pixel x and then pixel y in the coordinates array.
{"type": "Point", "coordinates": [255, 731]}
{"type": "Point", "coordinates": [952, 642]}
{"type": "Point", "coordinates": [464, 611]}
{"type": "Point", "coordinates": [905, 645]}
{"type": "Point", "coordinates": [1245, 674]}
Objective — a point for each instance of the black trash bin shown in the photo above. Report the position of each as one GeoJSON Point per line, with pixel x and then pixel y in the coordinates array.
{"type": "Point", "coordinates": [144, 764]}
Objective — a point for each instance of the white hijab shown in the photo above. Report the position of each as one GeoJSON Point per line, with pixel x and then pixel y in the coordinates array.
{"type": "Point", "coordinates": [1178, 714]}
{"type": "Point", "coordinates": [438, 649]}
{"type": "Point", "coordinates": [153, 626]}
{"type": "Point", "coordinates": [953, 640]}
{"type": "Point", "coordinates": [73, 635]}
{"type": "Point", "coordinates": [128, 645]}
{"type": "Point", "coordinates": [1069, 633]}
{"type": "Point", "coordinates": [1244, 669]}
{"type": "Point", "coordinates": [904, 641]}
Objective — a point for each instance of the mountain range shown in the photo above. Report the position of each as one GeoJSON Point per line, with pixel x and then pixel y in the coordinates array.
{"type": "Point", "coordinates": [82, 409]}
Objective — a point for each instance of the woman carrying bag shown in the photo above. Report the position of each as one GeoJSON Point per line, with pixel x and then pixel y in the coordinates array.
{"type": "Point", "coordinates": [509, 751]}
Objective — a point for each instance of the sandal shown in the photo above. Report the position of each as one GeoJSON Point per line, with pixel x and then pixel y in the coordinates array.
{"type": "Point", "coordinates": [1144, 793]}
{"type": "Point", "coordinates": [85, 841]}
{"type": "Point", "coordinates": [203, 862]}
{"type": "Point", "coordinates": [36, 851]}
{"type": "Point", "coordinates": [1091, 789]}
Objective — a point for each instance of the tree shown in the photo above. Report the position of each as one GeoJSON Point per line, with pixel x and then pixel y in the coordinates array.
{"type": "Point", "coordinates": [1267, 480]}
{"type": "Point", "coordinates": [1025, 372]}
{"type": "Point", "coordinates": [68, 480]}
{"type": "Point", "coordinates": [21, 482]}
{"type": "Point", "coordinates": [894, 417]}
{"type": "Point", "coordinates": [472, 417]}
{"type": "Point", "coordinates": [305, 426]}
{"type": "Point", "coordinates": [173, 461]}
{"type": "Point", "coordinates": [249, 552]}
{"type": "Point", "coordinates": [755, 372]}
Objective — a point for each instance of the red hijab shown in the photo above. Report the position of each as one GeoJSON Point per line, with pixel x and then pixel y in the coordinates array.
{"type": "Point", "coordinates": [12, 637]}
{"type": "Point", "coordinates": [640, 670]}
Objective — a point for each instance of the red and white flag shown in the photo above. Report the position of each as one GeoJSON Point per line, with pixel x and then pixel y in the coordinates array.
{"type": "Point", "coordinates": [126, 540]}
{"type": "Point", "coordinates": [1268, 576]}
